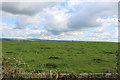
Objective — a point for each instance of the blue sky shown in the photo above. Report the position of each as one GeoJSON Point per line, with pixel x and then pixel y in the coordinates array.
{"type": "Point", "coordinates": [83, 21]}
{"type": "Point", "coordinates": [9, 21]}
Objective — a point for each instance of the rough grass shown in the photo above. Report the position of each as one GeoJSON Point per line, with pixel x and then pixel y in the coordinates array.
{"type": "Point", "coordinates": [60, 56]}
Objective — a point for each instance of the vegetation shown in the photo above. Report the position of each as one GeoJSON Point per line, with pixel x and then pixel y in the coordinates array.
{"type": "Point", "coordinates": [59, 56]}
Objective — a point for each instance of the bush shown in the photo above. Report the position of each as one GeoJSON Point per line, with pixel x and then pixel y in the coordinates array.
{"type": "Point", "coordinates": [107, 52]}
{"type": "Point", "coordinates": [46, 48]}
{"type": "Point", "coordinates": [98, 60]}
{"type": "Point", "coordinates": [9, 52]}
{"type": "Point", "coordinates": [54, 58]}
{"type": "Point", "coordinates": [51, 65]}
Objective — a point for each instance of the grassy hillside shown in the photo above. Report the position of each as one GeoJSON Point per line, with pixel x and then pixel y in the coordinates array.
{"type": "Point", "coordinates": [78, 57]}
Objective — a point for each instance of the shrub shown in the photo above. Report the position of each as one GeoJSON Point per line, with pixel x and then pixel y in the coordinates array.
{"type": "Point", "coordinates": [9, 52]}
{"type": "Point", "coordinates": [46, 48]}
{"type": "Point", "coordinates": [51, 65]}
{"type": "Point", "coordinates": [54, 58]}
{"type": "Point", "coordinates": [98, 60]}
{"type": "Point", "coordinates": [107, 52]}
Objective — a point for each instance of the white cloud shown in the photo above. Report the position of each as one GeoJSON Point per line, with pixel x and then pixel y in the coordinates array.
{"type": "Point", "coordinates": [10, 32]}
{"type": "Point", "coordinates": [2, 24]}
{"type": "Point", "coordinates": [103, 35]}
{"type": "Point", "coordinates": [56, 19]}
{"type": "Point", "coordinates": [57, 24]}
{"type": "Point", "coordinates": [24, 21]}
{"type": "Point", "coordinates": [24, 8]}
{"type": "Point", "coordinates": [88, 12]}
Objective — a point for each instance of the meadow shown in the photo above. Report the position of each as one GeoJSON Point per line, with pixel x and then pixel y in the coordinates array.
{"type": "Point", "coordinates": [60, 56]}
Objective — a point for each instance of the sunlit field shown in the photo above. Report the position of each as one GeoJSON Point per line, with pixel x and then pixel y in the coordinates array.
{"type": "Point", "coordinates": [59, 56]}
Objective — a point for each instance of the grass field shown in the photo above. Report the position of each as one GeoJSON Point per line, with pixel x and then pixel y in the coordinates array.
{"type": "Point", "coordinates": [60, 56]}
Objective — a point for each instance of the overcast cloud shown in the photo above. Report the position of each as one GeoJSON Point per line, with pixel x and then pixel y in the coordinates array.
{"type": "Point", "coordinates": [24, 8]}
{"type": "Point", "coordinates": [59, 19]}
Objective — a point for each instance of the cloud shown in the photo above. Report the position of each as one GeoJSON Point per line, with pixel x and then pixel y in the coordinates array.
{"type": "Point", "coordinates": [107, 31]}
{"type": "Point", "coordinates": [24, 21]}
{"type": "Point", "coordinates": [9, 31]}
{"type": "Point", "coordinates": [85, 15]}
{"type": "Point", "coordinates": [26, 13]}
{"type": "Point", "coordinates": [70, 22]}
{"type": "Point", "coordinates": [89, 12]}
{"type": "Point", "coordinates": [56, 20]}
{"type": "Point", "coordinates": [2, 24]}
{"type": "Point", "coordinates": [24, 8]}
{"type": "Point", "coordinates": [97, 33]}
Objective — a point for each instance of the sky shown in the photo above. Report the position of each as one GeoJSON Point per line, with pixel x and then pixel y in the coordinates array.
{"type": "Point", "coordinates": [80, 20]}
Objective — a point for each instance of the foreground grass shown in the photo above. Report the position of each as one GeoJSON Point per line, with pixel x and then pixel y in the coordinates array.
{"type": "Point", "coordinates": [60, 56]}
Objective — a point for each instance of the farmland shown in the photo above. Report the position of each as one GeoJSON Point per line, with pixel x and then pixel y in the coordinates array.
{"type": "Point", "coordinates": [60, 56]}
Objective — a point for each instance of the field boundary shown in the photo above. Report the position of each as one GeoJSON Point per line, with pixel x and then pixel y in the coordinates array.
{"type": "Point", "coordinates": [112, 76]}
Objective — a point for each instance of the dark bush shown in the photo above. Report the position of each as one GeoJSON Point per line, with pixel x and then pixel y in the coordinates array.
{"type": "Point", "coordinates": [78, 52]}
{"type": "Point", "coordinates": [54, 58]}
{"type": "Point", "coordinates": [51, 65]}
{"type": "Point", "coordinates": [107, 52]}
{"type": "Point", "coordinates": [46, 48]}
{"type": "Point", "coordinates": [67, 50]}
{"type": "Point", "coordinates": [9, 52]}
{"type": "Point", "coordinates": [68, 55]}
{"type": "Point", "coordinates": [98, 60]}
